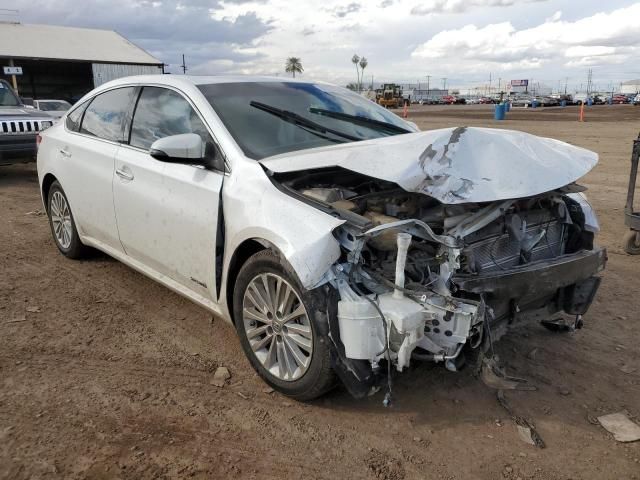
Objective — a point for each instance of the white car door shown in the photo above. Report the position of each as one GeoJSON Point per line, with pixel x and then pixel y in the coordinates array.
{"type": "Point", "coordinates": [87, 155]}
{"type": "Point", "coordinates": [167, 213]}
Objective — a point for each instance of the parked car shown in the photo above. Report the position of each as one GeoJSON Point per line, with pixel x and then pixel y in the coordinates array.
{"type": "Point", "coordinates": [19, 127]}
{"type": "Point", "coordinates": [486, 100]}
{"type": "Point", "coordinates": [55, 108]}
{"type": "Point", "coordinates": [521, 101]}
{"type": "Point", "coordinates": [549, 102]}
{"type": "Point", "coordinates": [332, 234]}
{"type": "Point", "coordinates": [636, 99]}
{"type": "Point", "coordinates": [619, 98]}
{"type": "Point", "coordinates": [580, 98]}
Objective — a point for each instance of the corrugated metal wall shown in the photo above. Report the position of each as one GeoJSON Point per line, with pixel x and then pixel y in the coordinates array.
{"type": "Point", "coordinates": [104, 72]}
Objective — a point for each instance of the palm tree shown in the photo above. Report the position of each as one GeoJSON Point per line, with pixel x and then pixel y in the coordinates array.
{"type": "Point", "coordinates": [355, 60]}
{"type": "Point", "coordinates": [363, 64]}
{"type": "Point", "coordinates": [293, 65]}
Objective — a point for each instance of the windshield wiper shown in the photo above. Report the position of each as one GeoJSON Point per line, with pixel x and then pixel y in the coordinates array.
{"type": "Point", "coordinates": [300, 121]}
{"type": "Point", "coordinates": [364, 121]}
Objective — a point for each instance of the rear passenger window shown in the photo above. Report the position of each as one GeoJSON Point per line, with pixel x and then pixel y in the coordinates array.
{"type": "Point", "coordinates": [74, 118]}
{"type": "Point", "coordinates": [161, 113]}
{"type": "Point", "coordinates": [104, 116]}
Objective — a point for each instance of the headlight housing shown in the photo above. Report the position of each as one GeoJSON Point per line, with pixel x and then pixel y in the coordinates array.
{"type": "Point", "coordinates": [590, 220]}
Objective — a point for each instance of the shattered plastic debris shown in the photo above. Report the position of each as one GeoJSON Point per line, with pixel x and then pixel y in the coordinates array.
{"type": "Point", "coordinates": [622, 428]}
{"type": "Point", "coordinates": [526, 430]}
{"type": "Point", "coordinates": [220, 377]}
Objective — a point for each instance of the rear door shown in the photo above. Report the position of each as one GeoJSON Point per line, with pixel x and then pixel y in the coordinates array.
{"type": "Point", "coordinates": [167, 213]}
{"type": "Point", "coordinates": [87, 158]}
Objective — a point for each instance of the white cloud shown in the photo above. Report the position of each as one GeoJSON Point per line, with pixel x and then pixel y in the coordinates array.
{"type": "Point", "coordinates": [606, 38]}
{"type": "Point", "coordinates": [555, 17]}
{"type": "Point", "coordinates": [462, 40]}
{"type": "Point", "coordinates": [459, 6]}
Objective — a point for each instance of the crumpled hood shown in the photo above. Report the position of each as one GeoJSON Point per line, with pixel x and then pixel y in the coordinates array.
{"type": "Point", "coordinates": [454, 165]}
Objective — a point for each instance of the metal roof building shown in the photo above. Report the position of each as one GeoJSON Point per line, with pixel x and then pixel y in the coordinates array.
{"type": "Point", "coordinates": [630, 86]}
{"type": "Point", "coordinates": [66, 62]}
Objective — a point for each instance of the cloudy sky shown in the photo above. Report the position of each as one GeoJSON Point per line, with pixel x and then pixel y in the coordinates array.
{"type": "Point", "coordinates": [404, 40]}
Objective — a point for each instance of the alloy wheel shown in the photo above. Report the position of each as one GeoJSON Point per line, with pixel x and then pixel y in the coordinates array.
{"type": "Point", "coordinates": [277, 326]}
{"type": "Point", "coordinates": [61, 219]}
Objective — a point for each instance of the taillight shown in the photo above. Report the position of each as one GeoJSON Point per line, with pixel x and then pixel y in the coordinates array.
{"type": "Point", "coordinates": [38, 140]}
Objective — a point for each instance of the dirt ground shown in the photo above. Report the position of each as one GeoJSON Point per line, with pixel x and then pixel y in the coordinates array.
{"type": "Point", "coordinates": [105, 374]}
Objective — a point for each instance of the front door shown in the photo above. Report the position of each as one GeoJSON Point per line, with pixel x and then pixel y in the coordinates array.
{"type": "Point", "coordinates": [167, 213]}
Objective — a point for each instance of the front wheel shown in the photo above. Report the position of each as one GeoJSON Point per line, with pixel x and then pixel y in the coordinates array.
{"type": "Point", "coordinates": [278, 329]}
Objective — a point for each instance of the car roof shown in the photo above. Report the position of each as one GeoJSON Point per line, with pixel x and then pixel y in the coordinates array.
{"type": "Point", "coordinates": [182, 80]}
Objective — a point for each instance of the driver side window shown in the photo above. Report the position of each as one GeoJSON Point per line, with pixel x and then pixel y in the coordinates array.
{"type": "Point", "coordinates": [160, 113]}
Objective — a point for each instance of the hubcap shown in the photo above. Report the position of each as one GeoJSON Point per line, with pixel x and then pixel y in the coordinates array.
{"type": "Point", "coordinates": [277, 326]}
{"type": "Point", "coordinates": [61, 219]}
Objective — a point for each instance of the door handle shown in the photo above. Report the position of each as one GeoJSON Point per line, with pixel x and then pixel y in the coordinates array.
{"type": "Point", "coordinates": [124, 174]}
{"type": "Point", "coordinates": [65, 153]}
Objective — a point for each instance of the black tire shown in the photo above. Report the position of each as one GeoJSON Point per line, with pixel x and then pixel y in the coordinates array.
{"type": "Point", "coordinates": [631, 242]}
{"type": "Point", "coordinates": [319, 376]}
{"type": "Point", "coordinates": [75, 249]}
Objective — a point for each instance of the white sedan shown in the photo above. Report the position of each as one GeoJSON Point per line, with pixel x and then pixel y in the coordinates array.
{"type": "Point", "coordinates": [335, 237]}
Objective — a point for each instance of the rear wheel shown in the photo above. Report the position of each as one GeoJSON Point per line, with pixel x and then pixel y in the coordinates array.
{"type": "Point", "coordinates": [276, 322]}
{"type": "Point", "coordinates": [631, 242]}
{"type": "Point", "coordinates": [63, 227]}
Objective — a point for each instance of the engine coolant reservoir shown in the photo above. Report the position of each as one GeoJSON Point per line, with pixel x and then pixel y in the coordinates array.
{"type": "Point", "coordinates": [361, 329]}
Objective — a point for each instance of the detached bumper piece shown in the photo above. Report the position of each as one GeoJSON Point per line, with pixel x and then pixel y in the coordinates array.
{"type": "Point", "coordinates": [539, 277]}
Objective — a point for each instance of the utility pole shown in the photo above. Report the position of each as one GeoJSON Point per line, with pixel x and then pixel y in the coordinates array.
{"type": "Point", "coordinates": [184, 65]}
{"type": "Point", "coordinates": [13, 77]}
{"type": "Point", "coordinates": [428, 78]}
{"type": "Point", "coordinates": [589, 79]}
{"type": "Point", "coordinates": [489, 83]}
{"type": "Point", "coordinates": [566, 79]}
{"type": "Point", "coordinates": [444, 83]}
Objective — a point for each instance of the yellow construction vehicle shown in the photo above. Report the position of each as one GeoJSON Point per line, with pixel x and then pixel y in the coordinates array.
{"type": "Point", "coordinates": [389, 96]}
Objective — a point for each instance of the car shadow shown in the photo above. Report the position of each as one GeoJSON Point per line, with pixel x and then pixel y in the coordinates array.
{"type": "Point", "coordinates": [18, 174]}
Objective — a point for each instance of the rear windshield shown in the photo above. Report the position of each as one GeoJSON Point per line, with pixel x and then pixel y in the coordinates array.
{"type": "Point", "coordinates": [261, 133]}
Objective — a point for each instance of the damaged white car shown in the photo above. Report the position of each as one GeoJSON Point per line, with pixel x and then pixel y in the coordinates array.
{"type": "Point", "coordinates": [337, 238]}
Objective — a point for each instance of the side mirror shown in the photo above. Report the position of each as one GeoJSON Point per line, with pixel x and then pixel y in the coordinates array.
{"type": "Point", "coordinates": [178, 148]}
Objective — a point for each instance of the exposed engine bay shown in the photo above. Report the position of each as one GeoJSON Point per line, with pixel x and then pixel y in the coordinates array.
{"type": "Point", "coordinates": [422, 279]}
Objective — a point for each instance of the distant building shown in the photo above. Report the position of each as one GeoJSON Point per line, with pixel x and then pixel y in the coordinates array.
{"type": "Point", "coordinates": [65, 62]}
{"type": "Point", "coordinates": [630, 86]}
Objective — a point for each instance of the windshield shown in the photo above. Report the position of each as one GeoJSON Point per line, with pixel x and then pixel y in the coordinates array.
{"type": "Point", "coordinates": [57, 106]}
{"type": "Point", "coordinates": [7, 97]}
{"type": "Point", "coordinates": [269, 118]}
